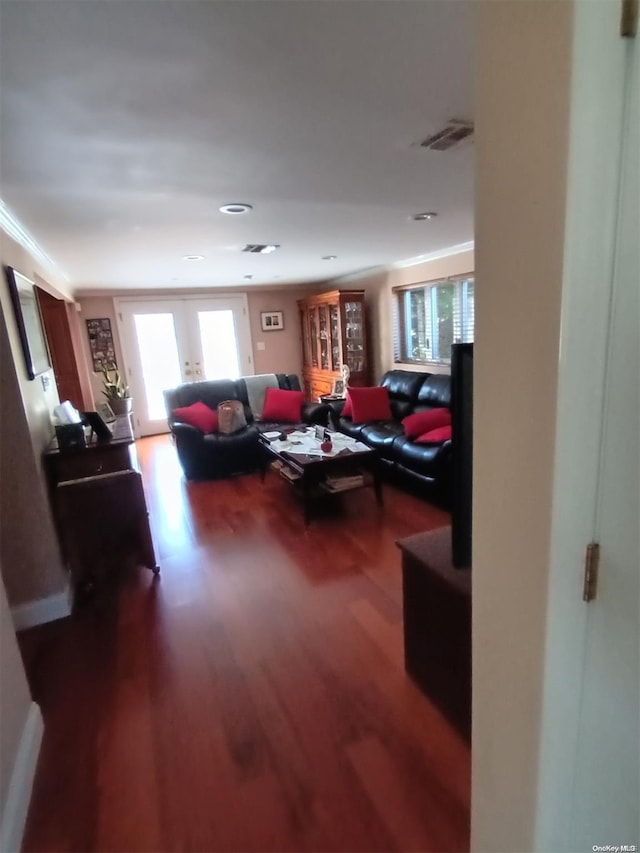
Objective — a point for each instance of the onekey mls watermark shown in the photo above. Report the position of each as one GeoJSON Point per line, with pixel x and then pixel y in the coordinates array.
{"type": "Point", "coordinates": [615, 848]}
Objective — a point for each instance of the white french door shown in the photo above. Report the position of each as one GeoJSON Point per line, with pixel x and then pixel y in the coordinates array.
{"type": "Point", "coordinates": [170, 341]}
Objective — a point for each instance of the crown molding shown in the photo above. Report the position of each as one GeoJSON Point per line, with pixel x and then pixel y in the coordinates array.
{"type": "Point", "coordinates": [12, 226]}
{"type": "Point", "coordinates": [459, 249]}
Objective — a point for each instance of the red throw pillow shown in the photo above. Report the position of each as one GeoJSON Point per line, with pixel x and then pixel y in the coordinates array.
{"type": "Point", "coordinates": [370, 404]}
{"type": "Point", "coordinates": [435, 436]}
{"type": "Point", "coordinates": [198, 415]}
{"type": "Point", "coordinates": [346, 409]}
{"type": "Point", "coordinates": [282, 406]}
{"type": "Point", "coordinates": [422, 422]}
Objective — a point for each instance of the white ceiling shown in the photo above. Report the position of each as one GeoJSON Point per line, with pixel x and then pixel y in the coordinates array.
{"type": "Point", "coordinates": [126, 124]}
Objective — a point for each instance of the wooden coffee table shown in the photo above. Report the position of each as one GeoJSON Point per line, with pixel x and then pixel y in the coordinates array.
{"type": "Point", "coordinates": [316, 476]}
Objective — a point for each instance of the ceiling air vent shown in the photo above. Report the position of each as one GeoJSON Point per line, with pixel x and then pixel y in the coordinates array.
{"type": "Point", "coordinates": [453, 134]}
{"type": "Point", "coordinates": [261, 248]}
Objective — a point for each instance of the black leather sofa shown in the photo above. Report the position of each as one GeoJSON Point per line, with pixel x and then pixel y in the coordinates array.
{"type": "Point", "coordinates": [424, 464]}
{"type": "Point", "coordinates": [215, 456]}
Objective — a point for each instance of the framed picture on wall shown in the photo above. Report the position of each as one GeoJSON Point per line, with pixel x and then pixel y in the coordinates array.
{"type": "Point", "coordinates": [103, 352]}
{"type": "Point", "coordinates": [32, 338]}
{"type": "Point", "coordinates": [272, 321]}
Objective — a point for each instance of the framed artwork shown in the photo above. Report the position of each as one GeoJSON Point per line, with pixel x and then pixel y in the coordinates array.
{"type": "Point", "coordinates": [103, 352]}
{"type": "Point", "coordinates": [338, 388]}
{"type": "Point", "coordinates": [272, 321]}
{"type": "Point", "coordinates": [32, 337]}
{"type": "Point", "coordinates": [106, 412]}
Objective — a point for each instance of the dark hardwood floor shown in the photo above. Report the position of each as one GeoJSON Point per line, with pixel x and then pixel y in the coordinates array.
{"type": "Point", "coordinates": [253, 698]}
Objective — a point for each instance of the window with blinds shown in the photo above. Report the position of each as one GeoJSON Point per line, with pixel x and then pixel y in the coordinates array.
{"type": "Point", "coordinates": [429, 318]}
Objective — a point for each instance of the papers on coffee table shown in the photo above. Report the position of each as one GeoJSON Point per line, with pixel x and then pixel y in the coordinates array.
{"type": "Point", "coordinates": [305, 442]}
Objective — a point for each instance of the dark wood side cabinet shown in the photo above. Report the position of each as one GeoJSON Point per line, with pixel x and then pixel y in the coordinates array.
{"type": "Point", "coordinates": [97, 457]}
{"type": "Point", "coordinates": [437, 624]}
{"type": "Point", "coordinates": [99, 505]}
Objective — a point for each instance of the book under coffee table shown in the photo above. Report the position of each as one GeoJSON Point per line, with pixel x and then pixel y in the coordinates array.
{"type": "Point", "coordinates": [315, 474]}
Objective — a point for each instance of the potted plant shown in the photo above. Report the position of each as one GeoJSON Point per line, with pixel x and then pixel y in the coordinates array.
{"type": "Point", "coordinates": [116, 392]}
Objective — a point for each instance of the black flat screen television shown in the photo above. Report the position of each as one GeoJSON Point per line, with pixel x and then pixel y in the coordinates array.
{"type": "Point", "coordinates": [462, 453]}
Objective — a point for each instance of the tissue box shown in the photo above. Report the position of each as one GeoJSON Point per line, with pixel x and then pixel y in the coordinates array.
{"type": "Point", "coordinates": [70, 436]}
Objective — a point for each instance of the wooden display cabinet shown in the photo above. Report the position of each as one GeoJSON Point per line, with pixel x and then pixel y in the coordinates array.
{"type": "Point", "coordinates": [334, 333]}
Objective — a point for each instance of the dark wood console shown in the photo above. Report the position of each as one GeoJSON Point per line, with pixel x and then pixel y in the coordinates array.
{"type": "Point", "coordinates": [99, 504]}
{"type": "Point", "coordinates": [96, 457]}
{"type": "Point", "coordinates": [437, 624]}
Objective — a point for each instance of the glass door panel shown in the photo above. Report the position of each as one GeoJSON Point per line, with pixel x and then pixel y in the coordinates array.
{"type": "Point", "coordinates": [219, 346]}
{"type": "Point", "coordinates": [313, 324]}
{"type": "Point", "coordinates": [355, 336]}
{"type": "Point", "coordinates": [159, 360]}
{"type": "Point", "coordinates": [324, 337]}
{"type": "Point", "coordinates": [334, 321]}
{"type": "Point", "coordinates": [152, 335]}
{"type": "Point", "coordinates": [219, 337]}
{"type": "Point", "coordinates": [305, 338]}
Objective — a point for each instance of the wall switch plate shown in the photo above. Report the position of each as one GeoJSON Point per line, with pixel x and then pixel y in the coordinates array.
{"type": "Point", "coordinates": [260, 346]}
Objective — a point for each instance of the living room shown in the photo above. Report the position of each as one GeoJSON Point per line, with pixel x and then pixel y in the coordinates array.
{"type": "Point", "coordinates": [518, 313]}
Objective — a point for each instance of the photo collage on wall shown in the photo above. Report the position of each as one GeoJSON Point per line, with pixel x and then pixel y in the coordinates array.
{"type": "Point", "coordinates": [103, 353]}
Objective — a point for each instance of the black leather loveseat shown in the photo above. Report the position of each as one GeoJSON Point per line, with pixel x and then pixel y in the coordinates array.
{"type": "Point", "coordinates": [215, 456]}
{"type": "Point", "coordinates": [409, 392]}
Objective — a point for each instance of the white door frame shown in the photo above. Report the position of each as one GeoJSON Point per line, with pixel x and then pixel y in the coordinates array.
{"type": "Point", "coordinates": [246, 355]}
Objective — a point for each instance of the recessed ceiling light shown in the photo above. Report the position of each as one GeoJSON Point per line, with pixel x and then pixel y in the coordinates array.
{"type": "Point", "coordinates": [193, 258]}
{"type": "Point", "coordinates": [236, 208]}
{"type": "Point", "coordinates": [420, 217]}
{"type": "Point", "coordinates": [248, 277]}
{"type": "Point", "coordinates": [329, 257]}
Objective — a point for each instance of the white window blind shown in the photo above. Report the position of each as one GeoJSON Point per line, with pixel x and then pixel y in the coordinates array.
{"type": "Point", "coordinates": [429, 318]}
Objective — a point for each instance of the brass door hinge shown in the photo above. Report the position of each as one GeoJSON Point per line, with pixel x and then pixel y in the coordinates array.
{"type": "Point", "coordinates": [629, 19]}
{"type": "Point", "coordinates": [591, 562]}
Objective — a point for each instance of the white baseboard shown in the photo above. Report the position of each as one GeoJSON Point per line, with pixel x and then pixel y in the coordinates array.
{"type": "Point", "coordinates": [16, 806]}
{"type": "Point", "coordinates": [33, 613]}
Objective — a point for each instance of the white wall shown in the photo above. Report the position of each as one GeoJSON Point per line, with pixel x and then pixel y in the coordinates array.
{"type": "Point", "coordinates": [32, 565]}
{"type": "Point", "coordinates": [523, 64]}
{"type": "Point", "coordinates": [15, 700]}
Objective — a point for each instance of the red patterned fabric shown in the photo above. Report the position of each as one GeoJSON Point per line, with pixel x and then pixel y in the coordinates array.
{"type": "Point", "coordinates": [435, 436]}
{"type": "Point", "coordinates": [198, 415]}
{"type": "Point", "coordinates": [422, 422]}
{"type": "Point", "coordinates": [370, 404]}
{"type": "Point", "coordinates": [282, 406]}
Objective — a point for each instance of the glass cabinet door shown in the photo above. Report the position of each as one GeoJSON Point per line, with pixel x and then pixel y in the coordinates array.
{"type": "Point", "coordinates": [304, 330]}
{"type": "Point", "coordinates": [313, 334]}
{"type": "Point", "coordinates": [355, 335]}
{"type": "Point", "coordinates": [334, 323]}
{"type": "Point", "coordinates": [323, 316]}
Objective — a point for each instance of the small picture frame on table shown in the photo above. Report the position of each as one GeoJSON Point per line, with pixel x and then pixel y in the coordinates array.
{"type": "Point", "coordinates": [338, 388]}
{"type": "Point", "coordinates": [98, 425]}
{"type": "Point", "coordinates": [106, 412]}
{"type": "Point", "coordinates": [272, 321]}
